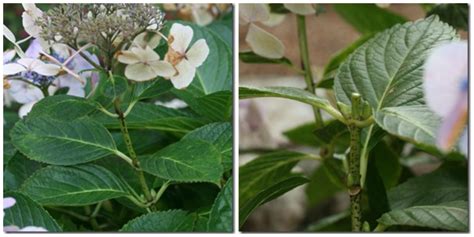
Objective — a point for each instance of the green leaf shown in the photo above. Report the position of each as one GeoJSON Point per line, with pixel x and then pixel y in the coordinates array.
{"type": "Point", "coordinates": [456, 15]}
{"type": "Point", "coordinates": [62, 107]}
{"type": "Point", "coordinates": [18, 170]}
{"type": "Point", "coordinates": [278, 8]}
{"type": "Point", "coordinates": [368, 18]}
{"type": "Point", "coordinates": [324, 182]}
{"type": "Point", "coordinates": [150, 116]}
{"type": "Point", "coordinates": [73, 186]}
{"type": "Point", "coordinates": [219, 135]}
{"type": "Point", "coordinates": [266, 178]}
{"type": "Point", "coordinates": [251, 57]}
{"type": "Point", "coordinates": [376, 192]}
{"type": "Point", "coordinates": [216, 106]}
{"type": "Point", "coordinates": [220, 218]}
{"type": "Point", "coordinates": [26, 212]}
{"type": "Point", "coordinates": [387, 72]}
{"type": "Point", "coordinates": [224, 28]}
{"type": "Point", "coordinates": [336, 222]}
{"type": "Point", "coordinates": [150, 89]}
{"type": "Point", "coordinates": [62, 143]}
{"type": "Point", "coordinates": [276, 189]}
{"type": "Point", "coordinates": [283, 92]}
{"type": "Point", "coordinates": [189, 160]}
{"type": "Point", "coordinates": [8, 152]}
{"type": "Point", "coordinates": [417, 123]}
{"type": "Point", "coordinates": [446, 184]}
{"type": "Point", "coordinates": [113, 87]}
{"type": "Point", "coordinates": [303, 135]}
{"type": "Point", "coordinates": [164, 221]}
{"type": "Point", "coordinates": [386, 163]}
{"type": "Point", "coordinates": [451, 216]}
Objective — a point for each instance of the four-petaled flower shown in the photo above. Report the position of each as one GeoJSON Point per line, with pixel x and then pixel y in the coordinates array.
{"type": "Point", "coordinates": [184, 60]}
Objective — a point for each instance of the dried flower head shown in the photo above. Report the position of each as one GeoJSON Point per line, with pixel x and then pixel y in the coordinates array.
{"type": "Point", "coordinates": [108, 26]}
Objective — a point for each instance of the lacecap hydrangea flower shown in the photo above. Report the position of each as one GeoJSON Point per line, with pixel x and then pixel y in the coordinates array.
{"type": "Point", "coordinates": [445, 83]}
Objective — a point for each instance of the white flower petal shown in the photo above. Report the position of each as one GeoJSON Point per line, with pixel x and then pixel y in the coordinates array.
{"type": "Point", "coordinates": [301, 9]}
{"type": "Point", "coordinates": [249, 13]}
{"type": "Point", "coordinates": [128, 57]}
{"type": "Point", "coordinates": [47, 69]}
{"type": "Point", "coordinates": [150, 55]}
{"type": "Point", "coordinates": [76, 88]}
{"type": "Point", "coordinates": [445, 70]}
{"type": "Point", "coordinates": [185, 75]}
{"type": "Point", "coordinates": [31, 8]}
{"type": "Point", "coordinates": [147, 38]}
{"type": "Point", "coordinates": [181, 37]}
{"type": "Point", "coordinates": [8, 202]}
{"type": "Point", "coordinates": [8, 34]}
{"type": "Point", "coordinates": [274, 20]}
{"type": "Point", "coordinates": [162, 68]}
{"type": "Point", "coordinates": [12, 69]}
{"type": "Point", "coordinates": [139, 72]}
{"type": "Point", "coordinates": [10, 228]}
{"type": "Point", "coordinates": [29, 25]}
{"type": "Point", "coordinates": [8, 56]}
{"type": "Point", "coordinates": [33, 229]}
{"type": "Point", "coordinates": [198, 53]}
{"type": "Point", "coordinates": [264, 43]}
{"type": "Point", "coordinates": [29, 63]}
{"type": "Point", "coordinates": [25, 109]}
{"type": "Point", "coordinates": [23, 92]}
{"type": "Point", "coordinates": [201, 16]}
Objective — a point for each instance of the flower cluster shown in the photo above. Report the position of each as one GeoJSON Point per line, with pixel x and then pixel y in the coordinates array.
{"type": "Point", "coordinates": [201, 14]}
{"type": "Point", "coordinates": [104, 25]}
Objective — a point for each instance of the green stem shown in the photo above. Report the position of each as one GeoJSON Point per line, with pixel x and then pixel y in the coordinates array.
{"type": "Point", "coordinates": [71, 213]}
{"type": "Point", "coordinates": [161, 191]}
{"type": "Point", "coordinates": [131, 151]}
{"type": "Point", "coordinates": [353, 180]}
{"type": "Point", "coordinates": [364, 156]}
{"type": "Point", "coordinates": [96, 210]}
{"type": "Point", "coordinates": [308, 76]}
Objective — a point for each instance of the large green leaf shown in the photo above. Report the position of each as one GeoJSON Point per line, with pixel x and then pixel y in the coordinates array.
{"type": "Point", "coordinates": [26, 212]}
{"type": "Point", "coordinates": [189, 160]}
{"type": "Point", "coordinates": [216, 106]}
{"type": "Point", "coordinates": [220, 218]}
{"type": "Point", "coordinates": [219, 135]}
{"type": "Point", "coordinates": [62, 143]}
{"type": "Point", "coordinates": [62, 107]}
{"type": "Point", "coordinates": [416, 123]}
{"type": "Point", "coordinates": [73, 186]}
{"type": "Point", "coordinates": [164, 221]}
{"type": "Point", "coordinates": [387, 72]}
{"type": "Point", "coordinates": [266, 178]}
{"type": "Point", "coordinates": [453, 216]}
{"type": "Point", "coordinates": [150, 116]}
{"type": "Point", "coordinates": [368, 18]}
{"type": "Point", "coordinates": [448, 183]}
{"type": "Point", "coordinates": [224, 28]}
